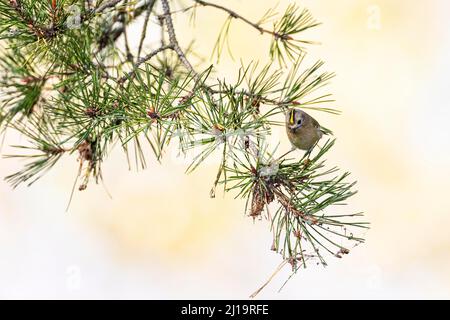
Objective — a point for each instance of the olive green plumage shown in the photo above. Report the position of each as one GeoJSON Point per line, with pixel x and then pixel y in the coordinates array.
{"type": "Point", "coordinates": [302, 129]}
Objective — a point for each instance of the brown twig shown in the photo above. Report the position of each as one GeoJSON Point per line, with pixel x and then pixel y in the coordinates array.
{"type": "Point", "coordinates": [173, 39]}
{"type": "Point", "coordinates": [142, 60]}
{"type": "Point", "coordinates": [287, 204]}
{"type": "Point", "coordinates": [129, 55]}
{"type": "Point", "coordinates": [235, 15]}
{"type": "Point", "coordinates": [144, 28]}
{"type": "Point", "coordinates": [106, 5]}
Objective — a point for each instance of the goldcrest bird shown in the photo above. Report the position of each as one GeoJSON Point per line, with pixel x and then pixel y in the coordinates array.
{"type": "Point", "coordinates": [303, 130]}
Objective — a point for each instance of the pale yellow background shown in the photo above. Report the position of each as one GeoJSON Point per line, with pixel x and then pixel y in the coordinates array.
{"type": "Point", "coordinates": [162, 237]}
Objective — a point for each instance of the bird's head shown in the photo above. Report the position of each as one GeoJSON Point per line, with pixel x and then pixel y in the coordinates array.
{"type": "Point", "coordinates": [295, 118]}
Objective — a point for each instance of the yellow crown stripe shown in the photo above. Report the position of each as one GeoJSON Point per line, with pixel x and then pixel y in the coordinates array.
{"type": "Point", "coordinates": [291, 118]}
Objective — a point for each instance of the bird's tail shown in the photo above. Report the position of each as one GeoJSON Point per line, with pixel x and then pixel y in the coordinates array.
{"type": "Point", "coordinates": [326, 131]}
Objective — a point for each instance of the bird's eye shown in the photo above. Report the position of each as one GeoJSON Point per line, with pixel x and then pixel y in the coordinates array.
{"type": "Point", "coordinates": [299, 121]}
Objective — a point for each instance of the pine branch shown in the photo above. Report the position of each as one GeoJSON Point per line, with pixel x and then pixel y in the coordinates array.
{"type": "Point", "coordinates": [79, 91]}
{"type": "Point", "coordinates": [284, 43]}
{"type": "Point", "coordinates": [144, 27]}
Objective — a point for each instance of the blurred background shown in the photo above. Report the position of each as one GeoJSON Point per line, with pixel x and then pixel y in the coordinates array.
{"type": "Point", "coordinates": [162, 237]}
